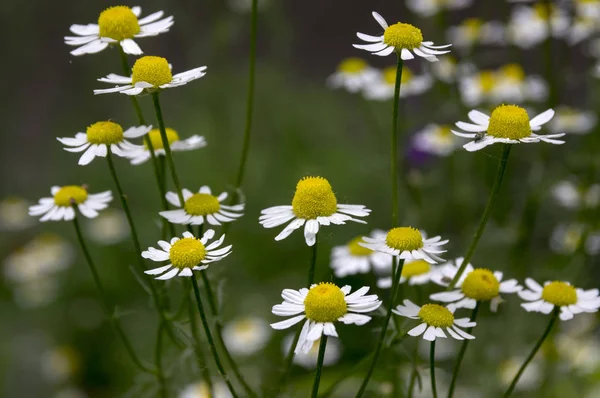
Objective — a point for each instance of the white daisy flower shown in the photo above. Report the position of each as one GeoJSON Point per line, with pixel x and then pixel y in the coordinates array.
{"type": "Point", "coordinates": [352, 258]}
{"type": "Point", "coordinates": [407, 243]}
{"type": "Point", "coordinates": [435, 318]}
{"type": "Point", "coordinates": [583, 27]}
{"type": "Point", "coordinates": [513, 86]}
{"type": "Point", "coordinates": [117, 25]}
{"type": "Point", "coordinates": [352, 74]}
{"type": "Point", "coordinates": [567, 239]}
{"type": "Point", "coordinates": [60, 205]}
{"type": "Point", "coordinates": [528, 26]}
{"type": "Point", "coordinates": [474, 31]}
{"type": "Point", "coordinates": [200, 207]}
{"type": "Point", "coordinates": [321, 306]}
{"type": "Point", "coordinates": [571, 300]}
{"type": "Point", "coordinates": [436, 140]}
{"type": "Point", "coordinates": [508, 124]}
{"type": "Point", "coordinates": [475, 284]}
{"type": "Point", "coordinates": [141, 154]}
{"type": "Point", "coordinates": [333, 352]}
{"type": "Point", "coordinates": [186, 254]}
{"type": "Point", "coordinates": [405, 39]}
{"type": "Point", "coordinates": [415, 272]}
{"type": "Point", "coordinates": [572, 121]}
{"type": "Point", "coordinates": [101, 136]}
{"type": "Point", "coordinates": [14, 214]}
{"type": "Point", "coordinates": [149, 74]}
{"type": "Point", "coordinates": [202, 390]}
{"type": "Point", "coordinates": [246, 336]}
{"type": "Point", "coordinates": [314, 204]}
{"type": "Point", "coordinates": [428, 8]}
{"type": "Point", "coordinates": [574, 196]}
{"type": "Point", "coordinates": [382, 88]}
{"type": "Point", "coordinates": [478, 87]}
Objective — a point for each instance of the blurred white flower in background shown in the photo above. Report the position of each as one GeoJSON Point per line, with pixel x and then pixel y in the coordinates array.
{"type": "Point", "coordinates": [436, 139]}
{"type": "Point", "coordinates": [70, 392]}
{"type": "Point", "coordinates": [352, 258]}
{"type": "Point", "coordinates": [581, 354]}
{"type": "Point", "coordinates": [528, 26]}
{"type": "Point", "coordinates": [514, 86]}
{"type": "Point", "coordinates": [566, 239]}
{"type": "Point", "coordinates": [572, 121]}
{"type": "Point", "coordinates": [108, 228]}
{"type": "Point", "coordinates": [201, 390]}
{"type": "Point", "coordinates": [333, 352]}
{"type": "Point", "coordinates": [427, 8]}
{"type": "Point", "coordinates": [573, 196]}
{"type": "Point", "coordinates": [472, 31]}
{"type": "Point", "coordinates": [382, 88]}
{"type": "Point", "coordinates": [59, 364]}
{"type": "Point", "coordinates": [353, 74]}
{"type": "Point", "coordinates": [531, 378]}
{"type": "Point", "coordinates": [245, 336]}
{"type": "Point", "coordinates": [14, 214]}
{"type": "Point", "coordinates": [446, 69]}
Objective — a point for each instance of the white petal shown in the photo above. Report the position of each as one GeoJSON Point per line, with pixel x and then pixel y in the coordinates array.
{"type": "Point", "coordinates": [287, 323]}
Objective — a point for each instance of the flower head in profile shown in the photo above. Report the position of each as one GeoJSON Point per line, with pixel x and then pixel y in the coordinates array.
{"type": "Point", "coordinates": [352, 258]}
{"type": "Point", "coordinates": [475, 284]}
{"type": "Point", "coordinates": [352, 74]}
{"type": "Point", "coordinates": [436, 321]}
{"type": "Point", "coordinates": [186, 254]}
{"type": "Point", "coordinates": [436, 139]}
{"type": "Point", "coordinates": [382, 88]}
{"type": "Point", "coordinates": [321, 306]}
{"type": "Point", "coordinates": [508, 124]}
{"type": "Point", "coordinates": [314, 204]}
{"type": "Point", "coordinates": [61, 205]}
{"type": "Point", "coordinates": [402, 38]}
{"type": "Point", "coordinates": [101, 137]}
{"type": "Point", "coordinates": [247, 335]}
{"type": "Point", "coordinates": [407, 243]}
{"type": "Point", "coordinates": [558, 294]}
{"type": "Point", "coordinates": [572, 121]}
{"type": "Point", "coordinates": [201, 207]}
{"type": "Point", "coordinates": [414, 272]}
{"type": "Point", "coordinates": [149, 74]}
{"type": "Point", "coordinates": [141, 154]}
{"type": "Point", "coordinates": [117, 25]}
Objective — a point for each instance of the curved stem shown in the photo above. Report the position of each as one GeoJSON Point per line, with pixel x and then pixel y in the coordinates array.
{"type": "Point", "coordinates": [202, 365]}
{"type": "Point", "coordinates": [394, 143]}
{"type": "Point", "coordinates": [537, 346]}
{"type": "Point", "coordinates": [432, 368]}
{"type": "Point", "coordinates": [209, 337]}
{"type": "Point", "coordinates": [322, 346]}
{"type": "Point", "coordinates": [164, 392]}
{"type": "Point", "coordinates": [486, 214]}
{"type": "Point", "coordinates": [384, 327]}
{"type": "Point", "coordinates": [461, 354]}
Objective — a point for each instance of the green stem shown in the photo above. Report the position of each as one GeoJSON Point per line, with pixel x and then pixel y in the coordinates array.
{"type": "Point", "coordinates": [202, 365]}
{"type": "Point", "coordinates": [537, 346]}
{"type": "Point", "coordinates": [322, 346]}
{"type": "Point", "coordinates": [313, 263]}
{"type": "Point", "coordinates": [432, 367]}
{"type": "Point", "coordinates": [394, 143]}
{"type": "Point", "coordinates": [108, 306]}
{"type": "Point", "coordinates": [164, 392]}
{"type": "Point", "coordinates": [414, 373]}
{"type": "Point", "coordinates": [461, 354]}
{"type": "Point", "coordinates": [486, 214]}
{"type": "Point", "coordinates": [395, 283]}
{"type": "Point", "coordinates": [209, 337]}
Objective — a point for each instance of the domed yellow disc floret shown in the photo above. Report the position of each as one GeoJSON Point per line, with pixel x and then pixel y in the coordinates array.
{"type": "Point", "coordinates": [357, 250]}
{"type": "Point", "coordinates": [403, 35]}
{"type": "Point", "coordinates": [314, 198]}
{"type": "Point", "coordinates": [404, 239]}
{"type": "Point", "coordinates": [352, 65]}
{"type": "Point", "coordinates": [487, 80]}
{"type": "Point", "coordinates": [415, 268]}
{"type": "Point", "coordinates": [325, 302]}
{"type": "Point", "coordinates": [187, 253]}
{"type": "Point", "coordinates": [514, 72]}
{"type": "Point", "coordinates": [105, 133]}
{"type": "Point", "coordinates": [118, 23]}
{"type": "Point", "coordinates": [151, 69]}
{"type": "Point", "coordinates": [481, 285]}
{"type": "Point", "coordinates": [389, 75]}
{"type": "Point", "coordinates": [509, 121]}
{"type": "Point", "coordinates": [436, 315]}
{"type": "Point", "coordinates": [69, 194]}
{"type": "Point", "coordinates": [156, 139]}
{"type": "Point", "coordinates": [202, 204]}
{"type": "Point", "coordinates": [559, 293]}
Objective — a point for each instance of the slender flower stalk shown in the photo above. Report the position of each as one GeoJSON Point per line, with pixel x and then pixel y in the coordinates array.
{"type": "Point", "coordinates": [322, 346]}
{"type": "Point", "coordinates": [198, 346]}
{"type": "Point", "coordinates": [461, 353]}
{"type": "Point", "coordinates": [432, 367]}
{"type": "Point", "coordinates": [162, 382]}
{"type": "Point", "coordinates": [537, 346]}
{"type": "Point", "coordinates": [486, 215]}
{"type": "Point", "coordinates": [394, 143]}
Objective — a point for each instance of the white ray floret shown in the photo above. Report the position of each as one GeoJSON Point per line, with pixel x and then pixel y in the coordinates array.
{"type": "Point", "coordinates": [61, 205]}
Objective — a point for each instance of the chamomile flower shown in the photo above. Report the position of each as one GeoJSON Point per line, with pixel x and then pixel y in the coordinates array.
{"type": "Point", "coordinates": [434, 320]}
{"type": "Point", "coordinates": [572, 121]}
{"type": "Point", "coordinates": [478, 87]}
{"type": "Point", "coordinates": [117, 25]}
{"type": "Point", "coordinates": [14, 214]}
{"type": "Point", "coordinates": [246, 336]}
{"type": "Point", "coordinates": [149, 74]}
{"type": "Point", "coordinates": [446, 69]}
{"type": "Point", "coordinates": [427, 8]}
{"type": "Point", "coordinates": [141, 154]}
{"type": "Point", "coordinates": [60, 205]}
{"type": "Point", "coordinates": [186, 254]}
{"type": "Point", "coordinates": [102, 136]}
{"type": "Point", "coordinates": [407, 243]}
{"type": "Point", "coordinates": [474, 31]}
{"type": "Point", "coordinates": [514, 86]}
{"type": "Point", "coordinates": [382, 88]}
{"type": "Point", "coordinates": [567, 239]}
{"type": "Point", "coordinates": [402, 38]}
{"type": "Point", "coordinates": [475, 284]}
{"type": "Point", "coordinates": [314, 204]}
{"type": "Point", "coordinates": [570, 300]}
{"type": "Point", "coordinates": [415, 272]}
{"type": "Point", "coordinates": [528, 26]}
{"type": "Point", "coordinates": [321, 306]}
{"type": "Point", "coordinates": [352, 74]}
{"type": "Point", "coordinates": [508, 124]}
{"type": "Point", "coordinates": [309, 360]}
{"type": "Point", "coordinates": [352, 258]}
{"type": "Point", "coordinates": [200, 207]}
{"type": "Point", "coordinates": [436, 140]}
{"type": "Point", "coordinates": [574, 196]}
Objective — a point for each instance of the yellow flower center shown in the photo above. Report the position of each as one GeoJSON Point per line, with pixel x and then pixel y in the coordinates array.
{"type": "Point", "coordinates": [559, 293]}
{"type": "Point", "coordinates": [389, 75]}
{"type": "Point", "coordinates": [202, 204]}
{"type": "Point", "coordinates": [487, 81]}
{"type": "Point", "coordinates": [118, 23]}
{"type": "Point", "coordinates": [156, 139]}
{"type": "Point", "coordinates": [481, 285]}
{"type": "Point", "coordinates": [542, 11]}
{"type": "Point", "coordinates": [314, 198]}
{"type": "Point", "coordinates": [415, 268]}
{"type": "Point", "coordinates": [404, 239]}
{"type": "Point", "coordinates": [513, 72]}
{"type": "Point", "coordinates": [509, 121]}
{"type": "Point", "coordinates": [436, 315]}
{"type": "Point", "coordinates": [403, 35]}
{"type": "Point", "coordinates": [187, 253]}
{"type": "Point", "coordinates": [472, 27]}
{"type": "Point", "coordinates": [245, 326]}
{"type": "Point", "coordinates": [357, 250]}
{"type": "Point", "coordinates": [153, 70]}
{"type": "Point", "coordinates": [352, 65]}
{"type": "Point", "coordinates": [105, 133]}
{"type": "Point", "coordinates": [71, 193]}
{"type": "Point", "coordinates": [325, 303]}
